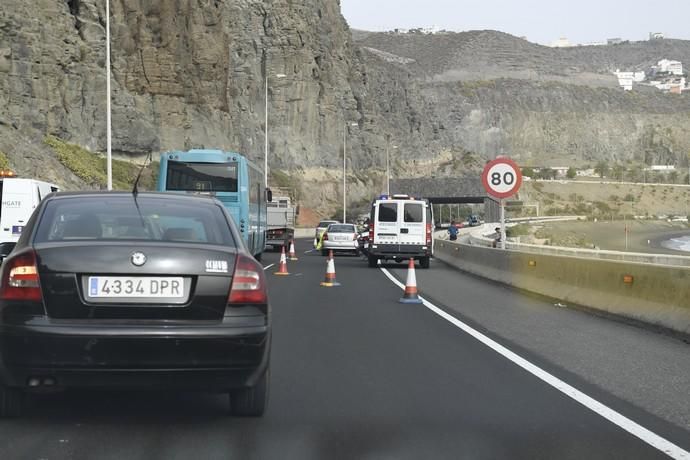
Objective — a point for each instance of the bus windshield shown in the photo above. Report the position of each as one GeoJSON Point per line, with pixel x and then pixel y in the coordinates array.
{"type": "Point", "coordinates": [201, 177]}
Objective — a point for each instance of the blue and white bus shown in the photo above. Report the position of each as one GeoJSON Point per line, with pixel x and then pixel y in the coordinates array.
{"type": "Point", "coordinates": [230, 178]}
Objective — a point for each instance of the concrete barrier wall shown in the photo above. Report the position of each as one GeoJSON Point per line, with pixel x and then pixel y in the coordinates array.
{"type": "Point", "coordinates": [653, 294]}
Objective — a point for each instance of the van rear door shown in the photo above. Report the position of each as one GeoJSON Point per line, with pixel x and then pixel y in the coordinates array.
{"type": "Point", "coordinates": [412, 228]}
{"type": "Point", "coordinates": [386, 227]}
{"type": "Point", "coordinates": [17, 201]}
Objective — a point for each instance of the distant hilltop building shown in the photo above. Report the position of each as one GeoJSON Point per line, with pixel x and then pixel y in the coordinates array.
{"type": "Point", "coordinates": [666, 76]}
{"type": "Point", "coordinates": [421, 30]}
{"type": "Point", "coordinates": [562, 43]}
{"type": "Point", "coordinates": [656, 36]}
{"type": "Point", "coordinates": [614, 41]}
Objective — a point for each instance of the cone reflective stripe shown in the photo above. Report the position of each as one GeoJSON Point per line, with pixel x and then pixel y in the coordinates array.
{"type": "Point", "coordinates": [330, 281]}
{"type": "Point", "coordinates": [282, 267]}
{"type": "Point", "coordinates": [292, 254]}
{"type": "Point", "coordinates": [411, 295]}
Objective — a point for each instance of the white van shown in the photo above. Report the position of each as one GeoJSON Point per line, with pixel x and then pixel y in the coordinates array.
{"type": "Point", "coordinates": [400, 227]}
{"type": "Point", "coordinates": [19, 198]}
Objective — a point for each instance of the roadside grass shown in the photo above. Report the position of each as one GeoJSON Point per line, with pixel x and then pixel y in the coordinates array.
{"type": "Point", "coordinates": [4, 161]}
{"type": "Point", "coordinates": [91, 167]}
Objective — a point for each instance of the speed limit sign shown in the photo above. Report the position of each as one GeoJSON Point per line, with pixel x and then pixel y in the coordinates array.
{"type": "Point", "coordinates": [502, 178]}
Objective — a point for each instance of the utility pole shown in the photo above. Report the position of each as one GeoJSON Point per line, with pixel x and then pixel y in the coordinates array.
{"type": "Point", "coordinates": [344, 173]}
{"type": "Point", "coordinates": [109, 150]}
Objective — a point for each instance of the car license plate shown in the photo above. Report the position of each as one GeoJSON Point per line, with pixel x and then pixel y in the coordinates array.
{"type": "Point", "coordinates": [138, 287]}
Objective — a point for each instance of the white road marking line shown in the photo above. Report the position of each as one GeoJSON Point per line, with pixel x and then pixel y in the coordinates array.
{"type": "Point", "coordinates": [268, 266]}
{"type": "Point", "coordinates": [637, 430]}
{"type": "Point", "coordinates": [311, 250]}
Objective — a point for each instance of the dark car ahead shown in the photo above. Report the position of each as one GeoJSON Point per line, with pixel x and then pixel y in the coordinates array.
{"type": "Point", "coordinates": [109, 290]}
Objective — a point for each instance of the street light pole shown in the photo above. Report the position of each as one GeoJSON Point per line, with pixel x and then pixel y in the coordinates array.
{"type": "Point", "coordinates": [344, 173]}
{"type": "Point", "coordinates": [279, 75]}
{"type": "Point", "coordinates": [388, 168]}
{"type": "Point", "coordinates": [345, 128]}
{"type": "Point", "coordinates": [109, 154]}
{"type": "Point", "coordinates": [266, 135]}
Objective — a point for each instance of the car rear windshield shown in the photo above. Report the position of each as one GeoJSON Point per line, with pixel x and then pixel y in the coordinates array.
{"type": "Point", "coordinates": [388, 212]}
{"type": "Point", "coordinates": [414, 212]}
{"type": "Point", "coordinates": [341, 228]}
{"type": "Point", "coordinates": [326, 223]}
{"type": "Point", "coordinates": [201, 177]}
{"type": "Point", "coordinates": [119, 218]}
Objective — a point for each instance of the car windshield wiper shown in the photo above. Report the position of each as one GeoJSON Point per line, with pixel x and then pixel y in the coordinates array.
{"type": "Point", "coordinates": [135, 189]}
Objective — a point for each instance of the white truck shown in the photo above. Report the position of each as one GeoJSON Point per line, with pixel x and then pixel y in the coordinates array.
{"type": "Point", "coordinates": [19, 198]}
{"type": "Point", "coordinates": [281, 216]}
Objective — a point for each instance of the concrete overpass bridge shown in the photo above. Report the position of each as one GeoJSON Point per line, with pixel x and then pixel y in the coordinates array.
{"type": "Point", "coordinates": [445, 193]}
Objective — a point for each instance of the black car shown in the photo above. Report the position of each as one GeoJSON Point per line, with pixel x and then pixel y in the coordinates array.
{"type": "Point", "coordinates": [119, 290]}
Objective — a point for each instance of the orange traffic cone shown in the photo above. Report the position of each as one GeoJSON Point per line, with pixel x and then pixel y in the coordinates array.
{"type": "Point", "coordinates": [282, 268]}
{"type": "Point", "coordinates": [330, 281]}
{"type": "Point", "coordinates": [292, 254]}
{"type": "Point", "coordinates": [410, 295]}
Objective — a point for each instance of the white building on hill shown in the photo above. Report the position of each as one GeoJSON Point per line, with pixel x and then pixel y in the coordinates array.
{"type": "Point", "coordinates": [672, 67]}
{"type": "Point", "coordinates": [626, 79]}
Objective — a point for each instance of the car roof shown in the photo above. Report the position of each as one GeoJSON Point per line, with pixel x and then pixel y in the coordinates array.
{"type": "Point", "coordinates": [338, 223]}
{"type": "Point", "coordinates": [157, 195]}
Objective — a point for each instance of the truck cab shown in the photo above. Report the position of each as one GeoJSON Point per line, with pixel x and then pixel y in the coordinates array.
{"type": "Point", "coordinates": [280, 216]}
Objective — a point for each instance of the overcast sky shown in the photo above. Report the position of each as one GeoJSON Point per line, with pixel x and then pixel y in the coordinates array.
{"type": "Point", "coordinates": [541, 21]}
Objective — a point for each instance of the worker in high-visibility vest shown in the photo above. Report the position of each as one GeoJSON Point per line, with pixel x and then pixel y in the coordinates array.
{"type": "Point", "coordinates": [319, 240]}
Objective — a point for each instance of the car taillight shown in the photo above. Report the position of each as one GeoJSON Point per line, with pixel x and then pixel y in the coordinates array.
{"type": "Point", "coordinates": [371, 231]}
{"type": "Point", "coordinates": [325, 237]}
{"type": "Point", "coordinates": [20, 278]}
{"type": "Point", "coordinates": [428, 234]}
{"type": "Point", "coordinates": [248, 282]}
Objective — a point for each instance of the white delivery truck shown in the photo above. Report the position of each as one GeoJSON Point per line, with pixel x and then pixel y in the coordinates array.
{"type": "Point", "coordinates": [19, 198]}
{"type": "Point", "coordinates": [400, 227]}
{"type": "Point", "coordinates": [280, 215]}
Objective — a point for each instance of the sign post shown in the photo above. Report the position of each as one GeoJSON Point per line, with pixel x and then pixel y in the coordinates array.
{"type": "Point", "coordinates": [502, 178]}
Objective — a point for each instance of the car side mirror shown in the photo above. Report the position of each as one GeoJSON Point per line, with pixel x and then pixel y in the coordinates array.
{"type": "Point", "coordinates": [269, 195]}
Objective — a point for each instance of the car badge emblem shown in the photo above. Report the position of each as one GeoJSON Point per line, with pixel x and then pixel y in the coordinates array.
{"type": "Point", "coordinates": [138, 259]}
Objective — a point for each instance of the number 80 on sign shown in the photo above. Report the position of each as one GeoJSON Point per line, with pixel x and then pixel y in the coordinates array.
{"type": "Point", "coordinates": [502, 178]}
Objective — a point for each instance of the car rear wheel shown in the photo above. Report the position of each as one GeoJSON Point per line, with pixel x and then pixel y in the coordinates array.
{"type": "Point", "coordinates": [324, 252]}
{"type": "Point", "coordinates": [252, 401]}
{"type": "Point", "coordinates": [424, 262]}
{"type": "Point", "coordinates": [11, 401]}
{"type": "Point", "coordinates": [373, 262]}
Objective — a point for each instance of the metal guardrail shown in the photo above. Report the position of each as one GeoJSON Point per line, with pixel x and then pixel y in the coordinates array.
{"type": "Point", "coordinates": [637, 257]}
{"type": "Point", "coordinates": [475, 236]}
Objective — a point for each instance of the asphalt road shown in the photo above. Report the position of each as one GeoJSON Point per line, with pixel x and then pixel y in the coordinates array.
{"type": "Point", "coordinates": [357, 375]}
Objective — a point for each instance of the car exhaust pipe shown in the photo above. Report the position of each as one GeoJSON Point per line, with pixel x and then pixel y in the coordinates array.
{"type": "Point", "coordinates": [37, 381]}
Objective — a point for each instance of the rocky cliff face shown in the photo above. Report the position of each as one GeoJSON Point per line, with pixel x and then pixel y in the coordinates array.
{"type": "Point", "coordinates": [185, 74]}
{"type": "Point", "coordinates": [192, 73]}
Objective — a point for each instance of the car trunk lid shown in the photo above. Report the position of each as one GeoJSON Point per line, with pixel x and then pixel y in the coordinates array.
{"type": "Point", "coordinates": [124, 281]}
